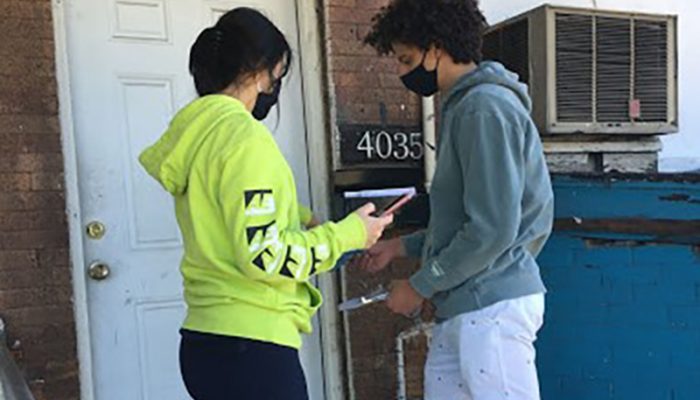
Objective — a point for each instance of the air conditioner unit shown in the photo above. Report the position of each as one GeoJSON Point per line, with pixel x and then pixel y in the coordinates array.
{"type": "Point", "coordinates": [592, 71]}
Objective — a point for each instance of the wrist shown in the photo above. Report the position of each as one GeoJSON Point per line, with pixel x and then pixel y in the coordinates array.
{"type": "Point", "coordinates": [399, 248]}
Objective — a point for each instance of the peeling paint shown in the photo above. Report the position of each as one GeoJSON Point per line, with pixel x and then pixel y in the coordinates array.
{"type": "Point", "coordinates": [637, 231]}
{"type": "Point", "coordinates": [675, 197]}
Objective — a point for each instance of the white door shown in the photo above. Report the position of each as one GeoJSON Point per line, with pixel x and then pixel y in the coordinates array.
{"type": "Point", "coordinates": [128, 63]}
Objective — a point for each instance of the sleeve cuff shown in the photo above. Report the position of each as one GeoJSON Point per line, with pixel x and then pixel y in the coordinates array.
{"type": "Point", "coordinates": [413, 244]}
{"type": "Point", "coordinates": [352, 234]}
{"type": "Point", "coordinates": [422, 282]}
{"type": "Point", "coordinates": [305, 214]}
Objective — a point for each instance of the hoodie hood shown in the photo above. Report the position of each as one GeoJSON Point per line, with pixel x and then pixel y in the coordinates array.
{"type": "Point", "coordinates": [170, 159]}
{"type": "Point", "coordinates": [494, 73]}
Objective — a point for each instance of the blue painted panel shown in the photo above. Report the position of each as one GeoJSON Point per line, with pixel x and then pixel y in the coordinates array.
{"type": "Point", "coordinates": [623, 315]}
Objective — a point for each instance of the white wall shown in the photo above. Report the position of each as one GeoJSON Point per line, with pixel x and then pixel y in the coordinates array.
{"type": "Point", "coordinates": [682, 150]}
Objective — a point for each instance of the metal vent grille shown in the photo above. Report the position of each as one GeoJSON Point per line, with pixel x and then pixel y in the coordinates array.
{"type": "Point", "coordinates": [510, 46]}
{"type": "Point", "coordinates": [613, 69]}
{"type": "Point", "coordinates": [574, 57]}
{"type": "Point", "coordinates": [651, 70]}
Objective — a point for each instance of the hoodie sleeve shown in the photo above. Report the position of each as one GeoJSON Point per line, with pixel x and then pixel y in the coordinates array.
{"type": "Point", "coordinates": [305, 214]}
{"type": "Point", "coordinates": [491, 159]}
{"type": "Point", "coordinates": [255, 199]}
{"type": "Point", "coordinates": [414, 243]}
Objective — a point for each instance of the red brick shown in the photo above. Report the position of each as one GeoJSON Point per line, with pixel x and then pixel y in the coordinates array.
{"type": "Point", "coordinates": [19, 65]}
{"type": "Point", "coordinates": [345, 31]}
{"type": "Point", "coordinates": [35, 273]}
{"type": "Point", "coordinates": [370, 114]}
{"type": "Point", "coordinates": [350, 47]}
{"type": "Point", "coordinates": [350, 14]}
{"type": "Point", "coordinates": [30, 46]}
{"type": "Point", "coordinates": [27, 240]}
{"type": "Point", "coordinates": [45, 296]}
{"type": "Point", "coordinates": [32, 220]}
{"type": "Point", "coordinates": [350, 63]}
{"type": "Point", "coordinates": [355, 79]}
{"type": "Point", "coordinates": [33, 334]}
{"type": "Point", "coordinates": [33, 278]}
{"type": "Point", "coordinates": [16, 182]}
{"type": "Point", "coordinates": [38, 316]}
{"type": "Point", "coordinates": [31, 201]}
{"type": "Point", "coordinates": [391, 81]}
{"type": "Point", "coordinates": [342, 3]}
{"type": "Point", "coordinates": [28, 104]}
{"type": "Point", "coordinates": [365, 94]}
{"type": "Point", "coordinates": [30, 143]}
{"type": "Point", "coordinates": [53, 258]}
{"type": "Point", "coordinates": [28, 87]}
{"type": "Point", "coordinates": [18, 259]}
{"type": "Point", "coordinates": [374, 5]}
{"type": "Point", "coordinates": [47, 181]}
{"type": "Point", "coordinates": [24, 28]}
{"type": "Point", "coordinates": [12, 9]}
{"type": "Point", "coordinates": [29, 124]}
{"type": "Point", "coordinates": [32, 162]}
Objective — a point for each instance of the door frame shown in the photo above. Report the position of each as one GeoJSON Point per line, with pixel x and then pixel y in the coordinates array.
{"type": "Point", "coordinates": [309, 19]}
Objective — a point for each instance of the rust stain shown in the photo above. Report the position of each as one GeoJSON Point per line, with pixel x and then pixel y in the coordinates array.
{"type": "Point", "coordinates": [657, 231]}
{"type": "Point", "coordinates": [676, 197]}
{"type": "Point", "coordinates": [593, 243]}
{"type": "Point", "coordinates": [635, 177]}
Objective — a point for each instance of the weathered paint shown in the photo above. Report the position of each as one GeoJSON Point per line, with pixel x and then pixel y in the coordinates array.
{"type": "Point", "coordinates": [623, 273]}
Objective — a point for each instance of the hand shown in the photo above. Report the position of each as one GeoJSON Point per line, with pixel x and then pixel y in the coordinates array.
{"type": "Point", "coordinates": [404, 299]}
{"type": "Point", "coordinates": [314, 222]}
{"type": "Point", "coordinates": [373, 225]}
{"type": "Point", "coordinates": [379, 256]}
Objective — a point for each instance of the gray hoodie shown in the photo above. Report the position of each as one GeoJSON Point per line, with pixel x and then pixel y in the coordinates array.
{"type": "Point", "coordinates": [491, 199]}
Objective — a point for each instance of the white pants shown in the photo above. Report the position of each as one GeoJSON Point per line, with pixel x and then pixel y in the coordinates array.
{"type": "Point", "coordinates": [487, 354]}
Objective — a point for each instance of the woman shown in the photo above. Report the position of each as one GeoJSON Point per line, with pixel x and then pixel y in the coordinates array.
{"type": "Point", "coordinates": [247, 258]}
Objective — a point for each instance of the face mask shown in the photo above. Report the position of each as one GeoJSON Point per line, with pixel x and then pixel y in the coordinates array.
{"type": "Point", "coordinates": [422, 81]}
{"type": "Point", "coordinates": [266, 101]}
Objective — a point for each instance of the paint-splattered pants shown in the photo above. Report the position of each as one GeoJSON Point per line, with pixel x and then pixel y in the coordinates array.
{"type": "Point", "coordinates": [487, 354]}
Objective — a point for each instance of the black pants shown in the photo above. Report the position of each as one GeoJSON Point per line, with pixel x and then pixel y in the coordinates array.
{"type": "Point", "coordinates": [230, 368]}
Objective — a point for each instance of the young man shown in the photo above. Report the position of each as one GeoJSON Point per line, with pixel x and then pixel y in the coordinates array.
{"type": "Point", "coordinates": [491, 207]}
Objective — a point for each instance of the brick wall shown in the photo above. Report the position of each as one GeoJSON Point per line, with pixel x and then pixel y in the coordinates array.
{"type": "Point", "coordinates": [363, 84]}
{"type": "Point", "coordinates": [366, 89]}
{"type": "Point", "coordinates": [35, 284]}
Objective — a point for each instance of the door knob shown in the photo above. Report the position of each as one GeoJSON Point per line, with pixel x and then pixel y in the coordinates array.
{"type": "Point", "coordinates": [98, 271]}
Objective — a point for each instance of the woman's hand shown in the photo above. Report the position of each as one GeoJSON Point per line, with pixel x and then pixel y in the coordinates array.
{"type": "Point", "coordinates": [373, 225]}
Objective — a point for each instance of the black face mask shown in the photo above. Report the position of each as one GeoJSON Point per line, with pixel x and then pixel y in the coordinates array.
{"type": "Point", "coordinates": [420, 80]}
{"type": "Point", "coordinates": [266, 101]}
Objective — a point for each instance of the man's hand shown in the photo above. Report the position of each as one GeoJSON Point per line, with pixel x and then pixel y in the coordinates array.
{"type": "Point", "coordinates": [379, 256]}
{"type": "Point", "coordinates": [404, 299]}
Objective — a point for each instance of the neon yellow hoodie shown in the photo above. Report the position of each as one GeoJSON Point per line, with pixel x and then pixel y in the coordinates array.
{"type": "Point", "coordinates": [247, 259]}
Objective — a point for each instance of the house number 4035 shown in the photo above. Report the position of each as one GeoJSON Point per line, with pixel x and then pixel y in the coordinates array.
{"type": "Point", "coordinates": [383, 145]}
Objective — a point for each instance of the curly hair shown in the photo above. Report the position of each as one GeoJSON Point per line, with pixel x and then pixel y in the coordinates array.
{"type": "Point", "coordinates": [455, 26]}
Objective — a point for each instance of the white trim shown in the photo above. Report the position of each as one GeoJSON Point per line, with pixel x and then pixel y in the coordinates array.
{"type": "Point", "coordinates": [319, 151]}
{"type": "Point", "coordinates": [75, 231]}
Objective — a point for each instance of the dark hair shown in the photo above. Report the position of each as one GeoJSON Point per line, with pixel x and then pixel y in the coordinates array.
{"type": "Point", "coordinates": [455, 26]}
{"type": "Point", "coordinates": [242, 42]}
